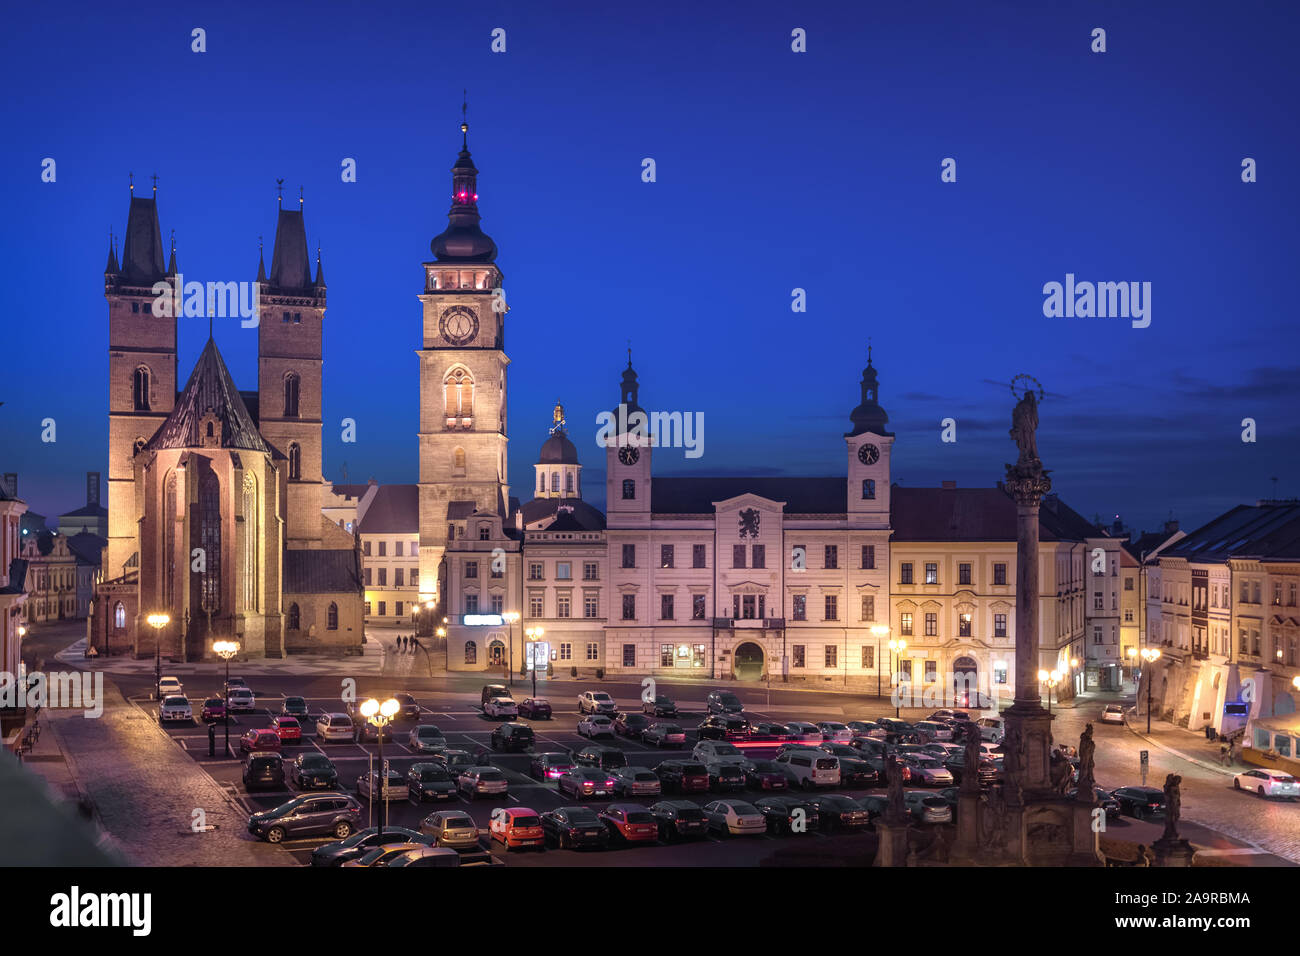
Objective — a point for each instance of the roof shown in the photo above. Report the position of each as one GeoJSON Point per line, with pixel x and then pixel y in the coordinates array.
{"type": "Point", "coordinates": [1263, 532]}
{"type": "Point", "coordinates": [697, 495]}
{"type": "Point", "coordinates": [558, 450]}
{"type": "Point", "coordinates": [395, 509]}
{"type": "Point", "coordinates": [89, 548]}
{"type": "Point", "coordinates": [977, 514]}
{"type": "Point", "coordinates": [577, 516]}
{"type": "Point", "coordinates": [87, 511]}
{"type": "Point", "coordinates": [460, 509]}
{"type": "Point", "coordinates": [142, 248]}
{"type": "Point", "coordinates": [290, 264]}
{"type": "Point", "coordinates": [210, 389]}
{"type": "Point", "coordinates": [318, 571]}
{"type": "Point", "coordinates": [350, 491]}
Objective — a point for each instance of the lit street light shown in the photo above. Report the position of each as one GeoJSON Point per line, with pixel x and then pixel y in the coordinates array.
{"type": "Point", "coordinates": [226, 650]}
{"type": "Point", "coordinates": [157, 622]}
{"type": "Point", "coordinates": [898, 646]}
{"type": "Point", "coordinates": [534, 634]}
{"type": "Point", "coordinates": [380, 715]}
{"type": "Point", "coordinates": [1051, 679]}
{"type": "Point", "coordinates": [511, 618]}
{"type": "Point", "coordinates": [1150, 655]}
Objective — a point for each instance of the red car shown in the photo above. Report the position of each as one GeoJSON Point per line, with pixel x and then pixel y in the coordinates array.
{"type": "Point", "coordinates": [214, 708]}
{"type": "Point", "coordinates": [630, 823]}
{"type": "Point", "coordinates": [260, 740]}
{"type": "Point", "coordinates": [517, 827]}
{"type": "Point", "coordinates": [287, 728]}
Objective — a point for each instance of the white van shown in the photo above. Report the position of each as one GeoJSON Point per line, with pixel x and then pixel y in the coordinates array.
{"type": "Point", "coordinates": [992, 728]}
{"type": "Point", "coordinates": [809, 769]}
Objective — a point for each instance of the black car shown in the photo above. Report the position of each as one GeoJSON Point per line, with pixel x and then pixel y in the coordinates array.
{"type": "Point", "coordinates": [534, 708]}
{"type": "Point", "coordinates": [549, 766]}
{"type": "Point", "coordinates": [456, 761]}
{"type": "Point", "coordinates": [410, 709]}
{"type": "Point", "coordinates": [765, 775]}
{"type": "Point", "coordinates": [679, 820]}
{"type": "Point", "coordinates": [1140, 802]}
{"type": "Point", "coordinates": [683, 776]}
{"type": "Point", "coordinates": [857, 773]}
{"type": "Point", "coordinates": [263, 770]}
{"type": "Point", "coordinates": [726, 777]}
{"type": "Point", "coordinates": [956, 764]}
{"type": "Point", "coordinates": [1103, 800]}
{"type": "Point", "coordinates": [363, 730]}
{"type": "Point", "coordinates": [835, 811]}
{"type": "Point", "coordinates": [335, 813]}
{"type": "Point", "coordinates": [875, 805]}
{"type": "Point", "coordinates": [723, 702]}
{"type": "Point", "coordinates": [294, 707]}
{"type": "Point", "coordinates": [787, 814]}
{"type": "Point", "coordinates": [512, 738]}
{"type": "Point", "coordinates": [313, 771]}
{"type": "Point", "coordinates": [571, 828]}
{"type": "Point", "coordinates": [601, 758]}
{"type": "Point", "coordinates": [429, 781]}
{"type": "Point", "coordinates": [631, 725]}
{"type": "Point", "coordinates": [336, 854]}
{"type": "Point", "coordinates": [723, 727]}
{"type": "Point", "coordinates": [661, 706]}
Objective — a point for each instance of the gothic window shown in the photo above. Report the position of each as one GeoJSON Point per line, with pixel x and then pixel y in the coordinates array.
{"type": "Point", "coordinates": [295, 619]}
{"type": "Point", "coordinates": [458, 393]}
{"type": "Point", "coordinates": [291, 395]}
{"type": "Point", "coordinates": [868, 488]}
{"type": "Point", "coordinates": [629, 489]}
{"type": "Point", "coordinates": [471, 652]}
{"type": "Point", "coordinates": [250, 544]}
{"type": "Point", "coordinates": [332, 617]}
{"type": "Point", "coordinates": [140, 389]}
{"type": "Point", "coordinates": [119, 616]}
{"type": "Point", "coordinates": [210, 542]}
{"type": "Point", "coordinates": [295, 460]}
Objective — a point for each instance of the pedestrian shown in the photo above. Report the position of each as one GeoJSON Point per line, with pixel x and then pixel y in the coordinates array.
{"type": "Point", "coordinates": [1223, 754]}
{"type": "Point", "coordinates": [401, 642]}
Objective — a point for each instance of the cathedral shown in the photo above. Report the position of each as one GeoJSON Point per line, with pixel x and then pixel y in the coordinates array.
{"type": "Point", "coordinates": [215, 494]}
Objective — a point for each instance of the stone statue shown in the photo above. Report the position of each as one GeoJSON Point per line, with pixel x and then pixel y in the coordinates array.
{"type": "Point", "coordinates": [1060, 772]}
{"type": "Point", "coordinates": [993, 821]}
{"type": "Point", "coordinates": [1087, 782]}
{"type": "Point", "coordinates": [897, 812]}
{"type": "Point", "coordinates": [1013, 762]}
{"type": "Point", "coordinates": [1024, 423]}
{"type": "Point", "coordinates": [1173, 805]}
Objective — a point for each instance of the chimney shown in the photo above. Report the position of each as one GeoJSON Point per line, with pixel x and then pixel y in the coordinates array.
{"type": "Point", "coordinates": [949, 485]}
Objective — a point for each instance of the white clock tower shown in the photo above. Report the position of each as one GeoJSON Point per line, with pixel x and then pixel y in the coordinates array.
{"type": "Point", "coordinates": [869, 446]}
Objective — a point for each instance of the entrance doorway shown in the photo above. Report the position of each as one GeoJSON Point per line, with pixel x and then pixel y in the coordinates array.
{"type": "Point", "coordinates": [965, 683]}
{"type": "Point", "coordinates": [748, 662]}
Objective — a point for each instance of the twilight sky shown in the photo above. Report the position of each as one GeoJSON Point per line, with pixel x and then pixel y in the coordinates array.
{"type": "Point", "coordinates": [775, 170]}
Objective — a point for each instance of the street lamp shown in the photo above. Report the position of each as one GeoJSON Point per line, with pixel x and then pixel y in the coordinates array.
{"type": "Point", "coordinates": [511, 618]}
{"type": "Point", "coordinates": [1150, 655]}
{"type": "Point", "coordinates": [157, 622]}
{"type": "Point", "coordinates": [898, 646]}
{"type": "Point", "coordinates": [534, 634]}
{"type": "Point", "coordinates": [1051, 679]}
{"type": "Point", "coordinates": [880, 630]}
{"type": "Point", "coordinates": [1074, 666]}
{"type": "Point", "coordinates": [379, 715]}
{"type": "Point", "coordinates": [226, 650]}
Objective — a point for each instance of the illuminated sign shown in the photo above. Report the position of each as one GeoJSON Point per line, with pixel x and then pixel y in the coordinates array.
{"type": "Point", "coordinates": [482, 620]}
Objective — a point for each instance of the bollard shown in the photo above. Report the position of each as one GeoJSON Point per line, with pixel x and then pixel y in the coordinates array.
{"type": "Point", "coordinates": [212, 740]}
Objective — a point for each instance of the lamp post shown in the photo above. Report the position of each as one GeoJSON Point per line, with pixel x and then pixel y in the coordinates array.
{"type": "Point", "coordinates": [428, 617]}
{"type": "Point", "coordinates": [380, 715]}
{"type": "Point", "coordinates": [511, 618]}
{"type": "Point", "coordinates": [226, 650]}
{"type": "Point", "coordinates": [1150, 655]}
{"type": "Point", "coordinates": [534, 634]}
{"type": "Point", "coordinates": [1051, 679]}
{"type": "Point", "coordinates": [898, 646]}
{"type": "Point", "coordinates": [880, 630]}
{"type": "Point", "coordinates": [157, 622]}
{"type": "Point", "coordinates": [1074, 666]}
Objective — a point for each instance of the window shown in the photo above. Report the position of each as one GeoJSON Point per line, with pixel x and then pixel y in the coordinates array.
{"type": "Point", "coordinates": [1277, 592]}
{"type": "Point", "coordinates": [297, 318]}
{"type": "Point", "coordinates": [1128, 616]}
{"type": "Point", "coordinates": [629, 556]}
{"type": "Point", "coordinates": [555, 482]}
{"type": "Point", "coordinates": [562, 605]}
{"type": "Point", "coordinates": [1128, 586]}
{"type": "Point", "coordinates": [629, 607]}
{"type": "Point", "coordinates": [963, 574]}
{"type": "Point", "coordinates": [366, 574]}
{"type": "Point", "coordinates": [140, 389]}
{"type": "Point", "coordinates": [471, 604]}
{"type": "Point", "coordinates": [868, 488]}
{"type": "Point", "coordinates": [797, 655]}
{"type": "Point", "coordinates": [210, 541]}
{"type": "Point", "coordinates": [589, 571]}
{"type": "Point", "coordinates": [799, 610]}
{"type": "Point", "coordinates": [758, 556]}
{"type": "Point", "coordinates": [119, 616]}
{"type": "Point", "coordinates": [832, 557]}
{"type": "Point", "coordinates": [868, 557]}
{"type": "Point", "coordinates": [496, 603]}
{"type": "Point", "coordinates": [295, 461]}
{"type": "Point", "coordinates": [737, 555]}
{"type": "Point", "coordinates": [665, 655]}
{"type": "Point", "coordinates": [905, 623]}
{"type": "Point", "coordinates": [931, 624]}
{"type": "Point", "coordinates": [697, 556]}
{"type": "Point", "coordinates": [868, 607]}
{"type": "Point", "coordinates": [665, 607]}
{"type": "Point", "coordinates": [484, 533]}
{"type": "Point", "coordinates": [397, 608]}
{"type": "Point", "coordinates": [593, 651]}
{"type": "Point", "coordinates": [590, 606]}
{"type": "Point", "coordinates": [931, 671]}
{"type": "Point", "coordinates": [666, 556]}
{"type": "Point", "coordinates": [697, 655]}
{"type": "Point", "coordinates": [963, 625]}
{"type": "Point", "coordinates": [451, 532]}
{"type": "Point", "coordinates": [1097, 604]}
{"type": "Point", "coordinates": [832, 655]}
{"type": "Point", "coordinates": [458, 395]}
{"type": "Point", "coordinates": [291, 395]}
{"type": "Point", "coordinates": [629, 655]}
{"type": "Point", "coordinates": [931, 573]}
{"type": "Point", "coordinates": [568, 483]}
{"type": "Point", "coordinates": [832, 607]}
{"type": "Point", "coordinates": [905, 670]}
{"type": "Point", "coordinates": [1096, 635]}
{"type": "Point", "coordinates": [564, 571]}
{"type": "Point", "coordinates": [1245, 592]}
{"type": "Point", "coordinates": [868, 657]}
{"type": "Point", "coordinates": [398, 546]}
{"type": "Point", "coordinates": [566, 652]}
{"type": "Point", "coordinates": [535, 571]}
{"type": "Point", "coordinates": [999, 574]}
{"type": "Point", "coordinates": [295, 618]}
{"type": "Point", "coordinates": [397, 577]}
{"type": "Point", "coordinates": [383, 577]}
{"type": "Point", "coordinates": [471, 652]}
{"type": "Point", "coordinates": [905, 573]}
{"type": "Point", "coordinates": [535, 604]}
{"type": "Point", "coordinates": [383, 549]}
{"type": "Point", "coordinates": [999, 625]}
{"type": "Point", "coordinates": [629, 489]}
{"type": "Point", "coordinates": [697, 607]}
{"type": "Point", "coordinates": [495, 571]}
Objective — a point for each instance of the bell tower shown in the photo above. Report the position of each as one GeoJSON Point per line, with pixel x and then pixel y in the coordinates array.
{"type": "Point", "coordinates": [869, 447]}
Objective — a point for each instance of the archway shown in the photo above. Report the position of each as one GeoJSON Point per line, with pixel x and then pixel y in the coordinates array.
{"type": "Point", "coordinates": [496, 654]}
{"type": "Point", "coordinates": [748, 664]}
{"type": "Point", "coordinates": [965, 682]}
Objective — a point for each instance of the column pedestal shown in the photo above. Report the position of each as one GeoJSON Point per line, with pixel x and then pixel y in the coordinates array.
{"type": "Point", "coordinates": [1173, 852]}
{"type": "Point", "coordinates": [892, 848]}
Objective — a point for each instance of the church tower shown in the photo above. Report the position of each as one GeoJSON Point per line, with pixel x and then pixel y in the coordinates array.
{"type": "Point", "coordinates": [627, 457]}
{"type": "Point", "coordinates": [141, 368]}
{"type": "Point", "coordinates": [462, 376]}
{"type": "Point", "coordinates": [558, 471]}
{"type": "Point", "coordinates": [869, 446]}
{"type": "Point", "coordinates": [289, 358]}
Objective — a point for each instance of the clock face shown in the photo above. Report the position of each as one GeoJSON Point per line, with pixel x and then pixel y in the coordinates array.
{"type": "Point", "coordinates": [459, 324]}
{"type": "Point", "coordinates": [868, 454]}
{"type": "Point", "coordinates": [628, 455]}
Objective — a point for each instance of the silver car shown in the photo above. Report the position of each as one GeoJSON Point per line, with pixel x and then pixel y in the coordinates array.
{"type": "Point", "coordinates": [927, 807]}
{"type": "Point", "coordinates": [928, 771]}
{"type": "Point", "coordinates": [475, 782]}
{"type": "Point", "coordinates": [426, 739]}
{"type": "Point", "coordinates": [636, 782]}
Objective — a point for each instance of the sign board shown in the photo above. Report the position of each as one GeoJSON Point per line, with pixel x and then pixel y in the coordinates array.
{"type": "Point", "coordinates": [482, 620]}
{"type": "Point", "coordinates": [1146, 764]}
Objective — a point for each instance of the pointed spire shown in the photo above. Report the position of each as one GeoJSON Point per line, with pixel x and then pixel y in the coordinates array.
{"type": "Point", "coordinates": [171, 264]}
{"type": "Point", "coordinates": [320, 271]}
{"type": "Point", "coordinates": [142, 248]}
{"type": "Point", "coordinates": [290, 262]}
{"type": "Point", "coordinates": [869, 416]}
{"type": "Point", "coordinates": [261, 262]}
{"type": "Point", "coordinates": [155, 185]}
{"type": "Point", "coordinates": [111, 268]}
{"type": "Point", "coordinates": [464, 240]}
{"type": "Point", "coordinates": [464, 121]}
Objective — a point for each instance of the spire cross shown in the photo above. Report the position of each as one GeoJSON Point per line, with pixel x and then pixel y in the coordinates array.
{"type": "Point", "coordinates": [173, 237]}
{"type": "Point", "coordinates": [464, 120]}
{"type": "Point", "coordinates": [300, 196]}
{"type": "Point", "coordinates": [130, 178]}
{"type": "Point", "coordinates": [154, 177]}
{"type": "Point", "coordinates": [279, 190]}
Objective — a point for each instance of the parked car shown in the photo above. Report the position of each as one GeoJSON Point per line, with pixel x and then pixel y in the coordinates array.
{"type": "Point", "coordinates": [500, 707]}
{"type": "Point", "coordinates": [734, 818]}
{"type": "Point", "coordinates": [596, 702]}
{"type": "Point", "coordinates": [334, 727]}
{"type": "Point", "coordinates": [857, 774]}
{"type": "Point", "coordinates": [570, 828]}
{"type": "Point", "coordinates": [581, 782]}
{"type": "Point", "coordinates": [516, 828]}
{"type": "Point", "coordinates": [664, 735]}
{"type": "Point", "coordinates": [718, 751]}
{"type": "Point", "coordinates": [799, 748]}
{"type": "Point", "coordinates": [928, 771]}
{"type": "Point", "coordinates": [992, 728]}
{"type": "Point", "coordinates": [260, 740]}
{"type": "Point", "coordinates": [595, 725]}
{"type": "Point", "coordinates": [214, 709]}
{"type": "Point", "coordinates": [451, 828]}
{"type": "Point", "coordinates": [660, 706]}
{"type": "Point", "coordinates": [394, 787]}
{"type": "Point", "coordinates": [636, 782]}
{"type": "Point", "coordinates": [512, 738]}
{"type": "Point", "coordinates": [1112, 714]}
{"type": "Point", "coordinates": [426, 739]}
{"type": "Point", "coordinates": [263, 770]}
{"type": "Point", "coordinates": [385, 855]}
{"type": "Point", "coordinates": [630, 823]}
{"type": "Point", "coordinates": [925, 807]}
{"type": "Point", "coordinates": [357, 843]}
{"type": "Point", "coordinates": [785, 814]}
{"type": "Point", "coordinates": [313, 771]}
{"type": "Point", "coordinates": [427, 856]}
{"type": "Point", "coordinates": [170, 687]}
{"type": "Point", "coordinates": [1267, 783]}
{"type": "Point", "coordinates": [294, 707]}
{"type": "Point", "coordinates": [409, 707]}
{"type": "Point", "coordinates": [841, 751]}
{"type": "Point", "coordinates": [767, 728]}
{"type": "Point", "coordinates": [475, 782]}
{"type": "Point", "coordinates": [363, 730]}
{"type": "Point", "coordinates": [241, 700]}
{"type": "Point", "coordinates": [287, 729]}
{"type": "Point", "coordinates": [683, 776]}
{"type": "Point", "coordinates": [1140, 802]}
{"type": "Point", "coordinates": [722, 727]}
{"type": "Point", "coordinates": [726, 777]}
{"type": "Point", "coordinates": [493, 690]}
{"type": "Point", "coordinates": [863, 728]}
{"type": "Point", "coordinates": [810, 770]}
{"type": "Point", "coordinates": [876, 805]}
{"type": "Point", "coordinates": [600, 757]}
{"type": "Point", "coordinates": [765, 775]}
{"type": "Point", "coordinates": [835, 811]}
{"type": "Point", "coordinates": [943, 752]}
{"type": "Point", "coordinates": [335, 813]}
{"type": "Point", "coordinates": [933, 730]}
{"type": "Point", "coordinates": [233, 682]}
{"type": "Point", "coordinates": [833, 730]}
{"type": "Point", "coordinates": [175, 709]}
{"type": "Point", "coordinates": [549, 766]}
{"type": "Point", "coordinates": [456, 761]}
{"type": "Point", "coordinates": [535, 708]}
{"type": "Point", "coordinates": [800, 731]}
{"type": "Point", "coordinates": [429, 781]}
{"type": "Point", "coordinates": [678, 820]}
{"type": "Point", "coordinates": [723, 702]}
{"type": "Point", "coordinates": [894, 725]}
{"type": "Point", "coordinates": [987, 770]}
{"type": "Point", "coordinates": [1103, 800]}
{"type": "Point", "coordinates": [631, 725]}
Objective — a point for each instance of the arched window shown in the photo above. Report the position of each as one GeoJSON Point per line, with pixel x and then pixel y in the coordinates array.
{"type": "Point", "coordinates": [555, 482]}
{"type": "Point", "coordinates": [251, 532]}
{"type": "Point", "coordinates": [471, 652]}
{"type": "Point", "coordinates": [291, 395]}
{"type": "Point", "coordinates": [294, 617]}
{"type": "Point", "coordinates": [295, 461]}
{"type": "Point", "coordinates": [629, 489]}
{"type": "Point", "coordinates": [568, 483]}
{"type": "Point", "coordinates": [541, 482]}
{"type": "Point", "coordinates": [332, 617]}
{"type": "Point", "coordinates": [140, 389]}
{"type": "Point", "coordinates": [868, 488]}
{"type": "Point", "coordinates": [210, 541]}
{"type": "Point", "coordinates": [458, 393]}
{"type": "Point", "coordinates": [119, 616]}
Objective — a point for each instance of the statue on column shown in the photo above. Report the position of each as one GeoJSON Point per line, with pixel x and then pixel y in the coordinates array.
{"type": "Point", "coordinates": [1087, 749]}
{"type": "Point", "coordinates": [1024, 424]}
{"type": "Point", "coordinates": [970, 777]}
{"type": "Point", "coordinates": [1013, 762]}
{"type": "Point", "coordinates": [1028, 469]}
{"type": "Point", "coordinates": [897, 811]}
{"type": "Point", "coordinates": [1173, 805]}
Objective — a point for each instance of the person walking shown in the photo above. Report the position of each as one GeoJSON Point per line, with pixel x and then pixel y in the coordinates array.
{"type": "Point", "coordinates": [1223, 754]}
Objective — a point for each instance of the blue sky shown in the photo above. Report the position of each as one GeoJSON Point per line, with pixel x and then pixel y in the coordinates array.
{"type": "Point", "coordinates": [775, 170]}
